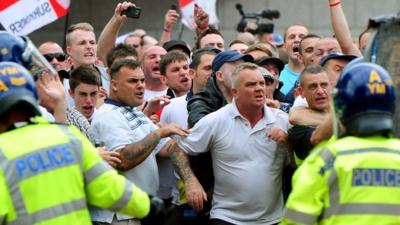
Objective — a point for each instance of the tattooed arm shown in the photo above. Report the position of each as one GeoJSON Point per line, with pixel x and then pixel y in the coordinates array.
{"type": "Point", "coordinates": [195, 194]}
{"type": "Point", "coordinates": [135, 153]}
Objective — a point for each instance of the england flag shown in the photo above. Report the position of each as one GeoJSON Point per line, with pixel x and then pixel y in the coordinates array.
{"type": "Point", "coordinates": [22, 17]}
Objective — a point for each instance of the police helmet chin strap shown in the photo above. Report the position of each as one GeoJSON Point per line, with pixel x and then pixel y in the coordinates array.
{"type": "Point", "coordinates": [371, 48]}
{"type": "Point", "coordinates": [38, 119]}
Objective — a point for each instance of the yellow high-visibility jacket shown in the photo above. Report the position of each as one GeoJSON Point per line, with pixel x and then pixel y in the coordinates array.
{"type": "Point", "coordinates": [351, 180]}
{"type": "Point", "coordinates": [49, 173]}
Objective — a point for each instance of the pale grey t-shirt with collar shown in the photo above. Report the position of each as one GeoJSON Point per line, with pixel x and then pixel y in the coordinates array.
{"type": "Point", "coordinates": [247, 164]}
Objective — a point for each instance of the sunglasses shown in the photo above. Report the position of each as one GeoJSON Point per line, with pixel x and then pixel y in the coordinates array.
{"type": "Point", "coordinates": [59, 56]}
{"type": "Point", "coordinates": [269, 81]}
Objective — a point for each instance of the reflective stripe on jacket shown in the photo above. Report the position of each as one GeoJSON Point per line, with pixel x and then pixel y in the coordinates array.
{"type": "Point", "coordinates": [347, 181]}
{"type": "Point", "coordinates": [49, 172]}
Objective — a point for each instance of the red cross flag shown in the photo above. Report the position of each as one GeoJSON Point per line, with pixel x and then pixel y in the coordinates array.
{"type": "Point", "coordinates": [187, 10]}
{"type": "Point", "coordinates": [22, 17]}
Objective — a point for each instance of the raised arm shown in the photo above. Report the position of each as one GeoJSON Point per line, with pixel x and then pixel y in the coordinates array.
{"type": "Point", "coordinates": [341, 28]}
{"type": "Point", "coordinates": [52, 96]}
{"type": "Point", "coordinates": [171, 17]}
{"type": "Point", "coordinates": [201, 19]}
{"type": "Point", "coordinates": [110, 32]}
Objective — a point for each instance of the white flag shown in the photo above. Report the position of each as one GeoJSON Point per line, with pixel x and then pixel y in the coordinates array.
{"type": "Point", "coordinates": [187, 10]}
{"type": "Point", "coordinates": [22, 17]}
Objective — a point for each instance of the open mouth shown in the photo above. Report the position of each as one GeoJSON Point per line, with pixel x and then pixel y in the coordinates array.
{"type": "Point", "coordinates": [89, 54]}
{"type": "Point", "coordinates": [184, 80]}
{"type": "Point", "coordinates": [296, 49]}
{"type": "Point", "coordinates": [260, 97]}
{"type": "Point", "coordinates": [321, 100]}
{"type": "Point", "coordinates": [156, 70]}
{"type": "Point", "coordinates": [87, 108]}
{"type": "Point", "coordinates": [139, 94]}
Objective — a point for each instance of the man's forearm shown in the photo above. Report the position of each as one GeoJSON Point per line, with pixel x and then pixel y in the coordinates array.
{"type": "Point", "coordinates": [341, 29]}
{"type": "Point", "coordinates": [108, 37]}
{"type": "Point", "coordinates": [181, 162]}
{"type": "Point", "coordinates": [60, 111]}
{"type": "Point", "coordinates": [135, 153]}
{"type": "Point", "coordinates": [165, 36]}
{"type": "Point", "coordinates": [305, 116]}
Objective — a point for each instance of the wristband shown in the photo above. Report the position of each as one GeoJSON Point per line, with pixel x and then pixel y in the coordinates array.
{"type": "Point", "coordinates": [167, 30]}
{"type": "Point", "coordinates": [334, 4]}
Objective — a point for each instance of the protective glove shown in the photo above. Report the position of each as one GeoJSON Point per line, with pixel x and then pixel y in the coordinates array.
{"type": "Point", "coordinates": [157, 212]}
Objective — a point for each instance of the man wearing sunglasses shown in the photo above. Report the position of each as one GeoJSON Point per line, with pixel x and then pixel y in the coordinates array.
{"type": "Point", "coordinates": [54, 54]}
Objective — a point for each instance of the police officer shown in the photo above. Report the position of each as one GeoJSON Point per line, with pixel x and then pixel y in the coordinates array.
{"type": "Point", "coordinates": [354, 179]}
{"type": "Point", "coordinates": [49, 172]}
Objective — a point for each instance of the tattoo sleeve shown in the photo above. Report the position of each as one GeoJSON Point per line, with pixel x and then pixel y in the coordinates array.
{"type": "Point", "coordinates": [181, 162]}
{"type": "Point", "coordinates": [135, 153]}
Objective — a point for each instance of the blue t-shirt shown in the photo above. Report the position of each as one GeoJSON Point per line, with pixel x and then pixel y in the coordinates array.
{"type": "Point", "coordinates": [288, 77]}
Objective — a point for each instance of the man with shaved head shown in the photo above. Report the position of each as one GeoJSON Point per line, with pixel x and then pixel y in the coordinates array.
{"type": "Point", "coordinates": [290, 73]}
{"type": "Point", "coordinates": [155, 82]}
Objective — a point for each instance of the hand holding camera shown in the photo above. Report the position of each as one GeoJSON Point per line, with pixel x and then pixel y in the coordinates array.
{"type": "Point", "coordinates": [132, 12]}
{"type": "Point", "coordinates": [171, 18]}
{"type": "Point", "coordinates": [127, 9]}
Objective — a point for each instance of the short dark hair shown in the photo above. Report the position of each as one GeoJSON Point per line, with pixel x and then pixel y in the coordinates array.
{"type": "Point", "coordinates": [311, 69]}
{"type": "Point", "coordinates": [169, 58]}
{"type": "Point", "coordinates": [211, 30]}
{"type": "Point", "coordinates": [306, 37]}
{"type": "Point", "coordinates": [84, 74]}
{"type": "Point", "coordinates": [120, 51]}
{"type": "Point", "coordinates": [196, 57]}
{"type": "Point", "coordinates": [116, 66]}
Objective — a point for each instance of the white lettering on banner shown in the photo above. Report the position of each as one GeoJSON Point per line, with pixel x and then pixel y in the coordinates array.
{"type": "Point", "coordinates": [39, 11]}
{"type": "Point", "coordinates": [25, 16]}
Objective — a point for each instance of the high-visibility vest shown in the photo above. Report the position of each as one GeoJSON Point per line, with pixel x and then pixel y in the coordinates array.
{"type": "Point", "coordinates": [49, 172]}
{"type": "Point", "coordinates": [351, 180]}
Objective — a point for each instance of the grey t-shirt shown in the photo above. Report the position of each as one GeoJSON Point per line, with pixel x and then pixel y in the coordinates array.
{"type": "Point", "coordinates": [247, 164]}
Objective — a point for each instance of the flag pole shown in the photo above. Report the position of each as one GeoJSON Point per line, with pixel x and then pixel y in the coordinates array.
{"type": "Point", "coordinates": [181, 28]}
{"type": "Point", "coordinates": [66, 24]}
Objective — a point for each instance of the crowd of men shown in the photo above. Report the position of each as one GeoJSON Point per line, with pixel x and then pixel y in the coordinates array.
{"type": "Point", "coordinates": [216, 131]}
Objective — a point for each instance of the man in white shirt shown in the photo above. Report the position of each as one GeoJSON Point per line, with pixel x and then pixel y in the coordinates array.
{"type": "Point", "coordinates": [155, 82]}
{"type": "Point", "coordinates": [243, 140]}
{"type": "Point", "coordinates": [125, 129]}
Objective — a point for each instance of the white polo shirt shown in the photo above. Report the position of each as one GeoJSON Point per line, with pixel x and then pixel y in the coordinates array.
{"type": "Point", "coordinates": [247, 164]}
{"type": "Point", "coordinates": [117, 125]}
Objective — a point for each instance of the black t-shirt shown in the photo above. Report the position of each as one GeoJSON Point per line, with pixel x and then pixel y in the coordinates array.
{"type": "Point", "coordinates": [299, 138]}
